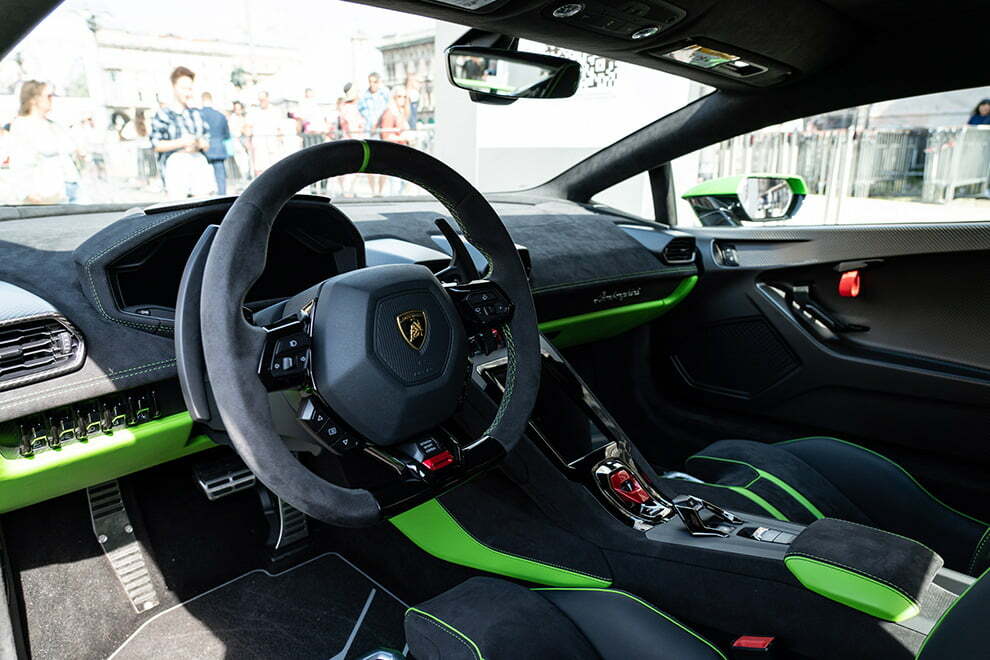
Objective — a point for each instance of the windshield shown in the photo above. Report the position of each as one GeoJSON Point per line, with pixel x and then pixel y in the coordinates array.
{"type": "Point", "coordinates": [112, 101]}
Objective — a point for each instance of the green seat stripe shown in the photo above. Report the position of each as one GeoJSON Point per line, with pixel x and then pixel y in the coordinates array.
{"type": "Point", "coordinates": [432, 528]}
{"type": "Point", "coordinates": [852, 589]}
{"type": "Point", "coordinates": [451, 629]}
{"type": "Point", "coordinates": [780, 483]}
{"type": "Point", "coordinates": [647, 606]}
{"type": "Point", "coordinates": [906, 473]}
{"type": "Point", "coordinates": [750, 495]}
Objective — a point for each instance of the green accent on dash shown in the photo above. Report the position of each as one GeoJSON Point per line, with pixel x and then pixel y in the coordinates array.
{"type": "Point", "coordinates": [431, 527]}
{"type": "Point", "coordinates": [593, 326]}
{"type": "Point", "coordinates": [647, 606]}
{"type": "Point", "coordinates": [457, 633]}
{"type": "Point", "coordinates": [31, 479]}
{"type": "Point", "coordinates": [367, 156]}
{"type": "Point", "coordinates": [852, 589]}
{"type": "Point", "coordinates": [783, 485]}
{"type": "Point", "coordinates": [729, 185]}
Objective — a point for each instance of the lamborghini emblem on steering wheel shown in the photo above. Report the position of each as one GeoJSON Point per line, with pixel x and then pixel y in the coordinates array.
{"type": "Point", "coordinates": [412, 327]}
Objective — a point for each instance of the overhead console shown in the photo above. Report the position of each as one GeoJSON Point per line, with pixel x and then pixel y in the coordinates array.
{"type": "Point", "coordinates": [131, 270]}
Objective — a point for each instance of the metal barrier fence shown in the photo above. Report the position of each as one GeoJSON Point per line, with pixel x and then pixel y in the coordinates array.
{"type": "Point", "coordinates": [936, 165]}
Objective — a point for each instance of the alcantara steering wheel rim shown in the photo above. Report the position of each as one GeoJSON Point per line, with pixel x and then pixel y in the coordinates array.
{"type": "Point", "coordinates": [232, 346]}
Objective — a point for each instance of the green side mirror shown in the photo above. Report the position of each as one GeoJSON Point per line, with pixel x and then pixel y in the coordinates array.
{"type": "Point", "coordinates": [732, 200]}
{"type": "Point", "coordinates": [495, 75]}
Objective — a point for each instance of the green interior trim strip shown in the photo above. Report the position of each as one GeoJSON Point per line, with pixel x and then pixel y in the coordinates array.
{"type": "Point", "coordinates": [852, 589]}
{"type": "Point", "coordinates": [77, 465]}
{"type": "Point", "coordinates": [367, 156]}
{"type": "Point", "coordinates": [647, 606]}
{"type": "Point", "coordinates": [906, 473]}
{"type": "Point", "coordinates": [802, 500]}
{"type": "Point", "coordinates": [584, 328]}
{"type": "Point", "coordinates": [946, 613]}
{"type": "Point", "coordinates": [432, 528]}
{"type": "Point", "coordinates": [729, 185]}
{"type": "Point", "coordinates": [453, 631]}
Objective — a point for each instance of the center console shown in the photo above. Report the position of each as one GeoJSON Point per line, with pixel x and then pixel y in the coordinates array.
{"type": "Point", "coordinates": [830, 571]}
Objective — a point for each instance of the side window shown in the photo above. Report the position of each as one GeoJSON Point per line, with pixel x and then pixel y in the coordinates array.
{"type": "Point", "coordinates": [919, 159]}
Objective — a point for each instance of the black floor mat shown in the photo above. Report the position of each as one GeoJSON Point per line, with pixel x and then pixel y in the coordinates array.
{"type": "Point", "coordinates": [324, 608]}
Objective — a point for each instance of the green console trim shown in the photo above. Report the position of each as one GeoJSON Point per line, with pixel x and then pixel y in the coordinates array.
{"type": "Point", "coordinates": [76, 465]}
{"type": "Point", "coordinates": [852, 589]}
{"type": "Point", "coordinates": [584, 328]}
{"type": "Point", "coordinates": [780, 483]}
{"type": "Point", "coordinates": [433, 529]}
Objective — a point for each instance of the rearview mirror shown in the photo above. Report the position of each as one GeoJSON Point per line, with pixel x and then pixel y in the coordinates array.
{"type": "Point", "coordinates": [494, 75]}
{"type": "Point", "coordinates": [732, 200]}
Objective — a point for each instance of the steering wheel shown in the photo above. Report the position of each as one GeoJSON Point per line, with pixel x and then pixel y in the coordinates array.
{"type": "Point", "coordinates": [384, 348]}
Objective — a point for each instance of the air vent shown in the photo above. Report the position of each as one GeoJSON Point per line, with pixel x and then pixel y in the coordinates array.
{"type": "Point", "coordinates": [37, 349]}
{"type": "Point", "coordinates": [680, 250]}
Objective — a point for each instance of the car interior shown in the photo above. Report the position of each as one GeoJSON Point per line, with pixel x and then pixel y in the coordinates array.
{"type": "Point", "coordinates": [513, 425]}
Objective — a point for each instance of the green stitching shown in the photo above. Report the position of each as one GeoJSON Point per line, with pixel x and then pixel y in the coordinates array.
{"type": "Point", "coordinates": [451, 629]}
{"type": "Point", "coordinates": [366, 148]}
{"type": "Point", "coordinates": [783, 485]}
{"type": "Point", "coordinates": [644, 604]}
{"type": "Point", "coordinates": [979, 546]}
{"type": "Point", "coordinates": [906, 473]}
{"type": "Point", "coordinates": [946, 613]}
{"type": "Point", "coordinates": [619, 278]}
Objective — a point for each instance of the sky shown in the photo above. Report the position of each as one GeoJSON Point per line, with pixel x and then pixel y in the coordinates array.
{"type": "Point", "coordinates": [273, 22]}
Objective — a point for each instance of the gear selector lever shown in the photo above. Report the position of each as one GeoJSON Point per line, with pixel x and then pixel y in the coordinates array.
{"type": "Point", "coordinates": [704, 518]}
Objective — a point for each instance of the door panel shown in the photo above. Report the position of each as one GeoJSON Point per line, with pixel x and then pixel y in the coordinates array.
{"type": "Point", "coordinates": [916, 383]}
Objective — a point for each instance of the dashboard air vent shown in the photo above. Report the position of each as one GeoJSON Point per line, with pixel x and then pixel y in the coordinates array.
{"type": "Point", "coordinates": [37, 349]}
{"type": "Point", "coordinates": [679, 250]}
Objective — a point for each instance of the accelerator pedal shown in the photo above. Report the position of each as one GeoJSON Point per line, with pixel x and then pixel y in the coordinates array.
{"type": "Point", "coordinates": [222, 477]}
{"type": "Point", "coordinates": [288, 531]}
{"type": "Point", "coordinates": [115, 534]}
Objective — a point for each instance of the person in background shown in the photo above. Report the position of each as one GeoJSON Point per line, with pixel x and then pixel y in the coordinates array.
{"type": "Point", "coordinates": [40, 151]}
{"type": "Point", "coordinates": [981, 114]}
{"type": "Point", "coordinates": [371, 106]}
{"type": "Point", "coordinates": [309, 114]}
{"type": "Point", "coordinates": [267, 133]}
{"type": "Point", "coordinates": [352, 126]}
{"type": "Point", "coordinates": [240, 133]}
{"type": "Point", "coordinates": [394, 127]}
{"type": "Point", "coordinates": [413, 84]}
{"type": "Point", "coordinates": [180, 136]}
{"type": "Point", "coordinates": [216, 152]}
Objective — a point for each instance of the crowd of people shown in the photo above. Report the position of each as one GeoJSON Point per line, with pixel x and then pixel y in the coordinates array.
{"type": "Point", "coordinates": [190, 148]}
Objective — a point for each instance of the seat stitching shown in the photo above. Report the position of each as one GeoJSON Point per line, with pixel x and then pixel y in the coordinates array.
{"type": "Point", "coordinates": [892, 463]}
{"type": "Point", "coordinates": [858, 571]}
{"type": "Point", "coordinates": [449, 631]}
{"type": "Point", "coordinates": [979, 547]}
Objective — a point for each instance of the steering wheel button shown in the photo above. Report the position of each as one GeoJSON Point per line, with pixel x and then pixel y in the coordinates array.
{"type": "Point", "coordinates": [438, 461]}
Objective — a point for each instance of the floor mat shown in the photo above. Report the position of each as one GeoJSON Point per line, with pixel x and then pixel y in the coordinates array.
{"type": "Point", "coordinates": [325, 608]}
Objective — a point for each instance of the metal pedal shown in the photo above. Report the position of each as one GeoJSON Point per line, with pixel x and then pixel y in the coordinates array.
{"type": "Point", "coordinates": [115, 534]}
{"type": "Point", "coordinates": [219, 478]}
{"type": "Point", "coordinates": [292, 527]}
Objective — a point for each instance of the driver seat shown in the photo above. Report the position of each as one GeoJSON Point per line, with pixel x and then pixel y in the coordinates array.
{"type": "Point", "coordinates": [491, 619]}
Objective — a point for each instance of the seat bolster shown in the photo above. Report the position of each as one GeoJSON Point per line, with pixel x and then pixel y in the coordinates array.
{"type": "Point", "coordinates": [785, 480]}
{"type": "Point", "coordinates": [961, 632]}
{"type": "Point", "coordinates": [492, 619]}
{"type": "Point", "coordinates": [620, 625]}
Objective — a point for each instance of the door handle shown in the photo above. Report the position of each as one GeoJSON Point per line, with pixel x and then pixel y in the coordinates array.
{"type": "Point", "coordinates": [811, 313]}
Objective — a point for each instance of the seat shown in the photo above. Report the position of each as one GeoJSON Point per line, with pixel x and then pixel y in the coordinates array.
{"type": "Point", "coordinates": [492, 619]}
{"type": "Point", "coordinates": [809, 478]}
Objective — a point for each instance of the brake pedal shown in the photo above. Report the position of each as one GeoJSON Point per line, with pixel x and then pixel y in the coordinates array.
{"type": "Point", "coordinates": [223, 477]}
{"type": "Point", "coordinates": [115, 534]}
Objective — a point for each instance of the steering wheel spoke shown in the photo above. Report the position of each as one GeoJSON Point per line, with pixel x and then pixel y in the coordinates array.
{"type": "Point", "coordinates": [481, 304]}
{"type": "Point", "coordinates": [285, 356]}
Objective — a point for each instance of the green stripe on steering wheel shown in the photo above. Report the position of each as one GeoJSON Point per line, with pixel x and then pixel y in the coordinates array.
{"type": "Point", "coordinates": [367, 156]}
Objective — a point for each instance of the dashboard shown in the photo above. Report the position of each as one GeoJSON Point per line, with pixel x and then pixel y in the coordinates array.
{"type": "Point", "coordinates": [113, 279]}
